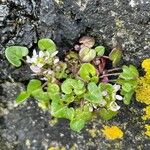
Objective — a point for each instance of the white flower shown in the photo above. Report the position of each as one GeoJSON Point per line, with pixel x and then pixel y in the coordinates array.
{"type": "Point", "coordinates": [56, 60]}
{"type": "Point", "coordinates": [104, 93]}
{"type": "Point", "coordinates": [54, 54]}
{"type": "Point", "coordinates": [103, 103]}
{"type": "Point", "coordinates": [114, 106]}
{"type": "Point", "coordinates": [41, 54]}
{"type": "Point", "coordinates": [32, 59]}
{"type": "Point", "coordinates": [90, 109]}
{"type": "Point", "coordinates": [35, 69]}
{"type": "Point", "coordinates": [116, 87]}
{"type": "Point", "coordinates": [119, 97]}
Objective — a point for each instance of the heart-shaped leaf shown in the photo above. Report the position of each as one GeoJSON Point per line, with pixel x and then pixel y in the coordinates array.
{"type": "Point", "coordinates": [115, 56]}
{"type": "Point", "coordinates": [100, 50]}
{"type": "Point", "coordinates": [86, 54]}
{"type": "Point", "coordinates": [14, 54]}
{"type": "Point", "coordinates": [33, 86]}
{"type": "Point", "coordinates": [47, 44]}
{"type": "Point", "coordinates": [22, 97]}
{"type": "Point", "coordinates": [87, 72]}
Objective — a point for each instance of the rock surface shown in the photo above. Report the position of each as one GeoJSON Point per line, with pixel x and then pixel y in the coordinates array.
{"type": "Point", "coordinates": [23, 22]}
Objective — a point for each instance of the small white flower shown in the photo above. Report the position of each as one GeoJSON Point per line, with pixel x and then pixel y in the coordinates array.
{"type": "Point", "coordinates": [54, 54]}
{"type": "Point", "coordinates": [116, 87]}
{"type": "Point", "coordinates": [56, 61]}
{"type": "Point", "coordinates": [35, 69]}
{"type": "Point", "coordinates": [94, 106]}
{"type": "Point", "coordinates": [114, 106]}
{"type": "Point", "coordinates": [90, 109]}
{"type": "Point", "coordinates": [41, 54]}
{"type": "Point", "coordinates": [44, 78]}
{"type": "Point", "coordinates": [119, 97]}
{"type": "Point", "coordinates": [28, 59]}
{"type": "Point", "coordinates": [34, 54]}
{"type": "Point", "coordinates": [103, 103]}
{"type": "Point", "coordinates": [40, 65]}
{"type": "Point", "coordinates": [104, 93]}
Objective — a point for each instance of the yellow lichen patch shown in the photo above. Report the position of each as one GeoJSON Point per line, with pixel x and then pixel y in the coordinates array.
{"type": "Point", "coordinates": [143, 90]}
{"type": "Point", "coordinates": [112, 132]}
{"type": "Point", "coordinates": [146, 65]}
{"type": "Point", "coordinates": [147, 113]}
{"type": "Point", "coordinates": [56, 148]}
{"type": "Point", "coordinates": [147, 132]}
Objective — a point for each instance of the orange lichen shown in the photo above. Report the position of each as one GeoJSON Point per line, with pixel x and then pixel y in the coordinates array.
{"type": "Point", "coordinates": [112, 132]}
{"type": "Point", "coordinates": [147, 132]}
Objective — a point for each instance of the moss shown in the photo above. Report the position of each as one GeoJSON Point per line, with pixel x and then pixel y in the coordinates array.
{"type": "Point", "coordinates": [112, 132]}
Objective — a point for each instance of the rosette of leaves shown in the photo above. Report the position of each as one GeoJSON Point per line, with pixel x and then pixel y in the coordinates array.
{"type": "Point", "coordinates": [129, 80]}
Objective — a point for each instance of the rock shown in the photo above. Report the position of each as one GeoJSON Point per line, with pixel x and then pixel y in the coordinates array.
{"type": "Point", "coordinates": [23, 22]}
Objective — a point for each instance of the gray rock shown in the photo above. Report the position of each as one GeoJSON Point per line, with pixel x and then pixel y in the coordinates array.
{"type": "Point", "coordinates": [23, 22]}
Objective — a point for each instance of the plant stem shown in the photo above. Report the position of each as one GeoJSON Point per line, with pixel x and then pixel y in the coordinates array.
{"type": "Point", "coordinates": [111, 74]}
{"type": "Point", "coordinates": [25, 62]}
{"type": "Point", "coordinates": [114, 69]}
{"type": "Point", "coordinates": [105, 57]}
{"type": "Point", "coordinates": [44, 85]}
{"type": "Point", "coordinates": [112, 81]}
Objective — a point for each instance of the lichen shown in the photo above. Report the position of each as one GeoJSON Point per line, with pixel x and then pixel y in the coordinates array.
{"type": "Point", "coordinates": [143, 89]}
{"type": "Point", "coordinates": [147, 113]}
{"type": "Point", "coordinates": [112, 132]}
{"type": "Point", "coordinates": [146, 65]}
{"type": "Point", "coordinates": [147, 132]}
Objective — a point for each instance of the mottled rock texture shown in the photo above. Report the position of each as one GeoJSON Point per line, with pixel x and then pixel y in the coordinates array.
{"type": "Point", "coordinates": [23, 22]}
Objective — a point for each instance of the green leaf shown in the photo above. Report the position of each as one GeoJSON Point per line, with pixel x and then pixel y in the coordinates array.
{"type": "Point", "coordinates": [115, 56]}
{"type": "Point", "coordinates": [107, 114]}
{"type": "Point", "coordinates": [100, 50]}
{"type": "Point", "coordinates": [109, 89]}
{"type": "Point", "coordinates": [53, 88]}
{"type": "Point", "coordinates": [72, 85]}
{"type": "Point", "coordinates": [47, 44]}
{"type": "Point", "coordinates": [86, 54]}
{"type": "Point", "coordinates": [127, 87]}
{"type": "Point", "coordinates": [40, 95]}
{"type": "Point", "coordinates": [128, 97]}
{"type": "Point", "coordinates": [87, 72]}
{"type": "Point", "coordinates": [33, 86]}
{"type": "Point", "coordinates": [129, 73]}
{"type": "Point", "coordinates": [68, 98]}
{"type": "Point", "coordinates": [77, 124]}
{"type": "Point", "coordinates": [53, 91]}
{"type": "Point", "coordinates": [60, 111]}
{"type": "Point", "coordinates": [22, 97]}
{"type": "Point", "coordinates": [94, 94]}
{"type": "Point", "coordinates": [14, 54]}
